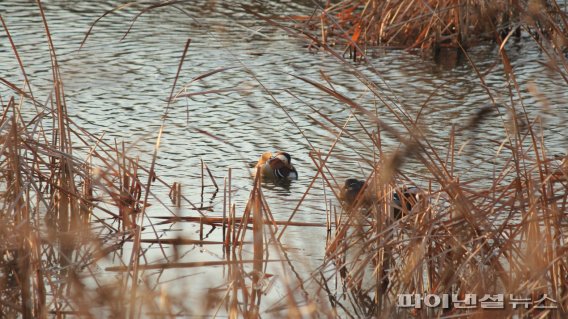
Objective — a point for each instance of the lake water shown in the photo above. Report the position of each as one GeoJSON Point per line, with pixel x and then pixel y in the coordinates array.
{"type": "Point", "coordinates": [120, 84]}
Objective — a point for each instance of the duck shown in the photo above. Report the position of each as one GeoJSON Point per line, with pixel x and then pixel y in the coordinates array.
{"type": "Point", "coordinates": [350, 190]}
{"type": "Point", "coordinates": [277, 166]}
{"type": "Point", "coordinates": [402, 202]}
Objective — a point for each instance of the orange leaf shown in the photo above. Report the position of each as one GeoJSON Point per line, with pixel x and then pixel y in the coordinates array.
{"type": "Point", "coordinates": [356, 33]}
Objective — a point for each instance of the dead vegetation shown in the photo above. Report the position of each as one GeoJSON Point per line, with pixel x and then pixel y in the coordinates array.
{"type": "Point", "coordinates": [71, 200]}
{"type": "Point", "coordinates": [435, 24]}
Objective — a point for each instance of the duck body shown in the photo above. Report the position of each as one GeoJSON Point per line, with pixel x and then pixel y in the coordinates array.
{"type": "Point", "coordinates": [277, 166]}
{"type": "Point", "coordinates": [404, 199]}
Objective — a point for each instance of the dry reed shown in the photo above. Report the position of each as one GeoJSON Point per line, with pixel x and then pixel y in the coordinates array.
{"type": "Point", "coordinates": [505, 237]}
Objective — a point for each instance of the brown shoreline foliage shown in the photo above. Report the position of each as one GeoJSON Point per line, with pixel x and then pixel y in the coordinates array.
{"type": "Point", "coordinates": [434, 24]}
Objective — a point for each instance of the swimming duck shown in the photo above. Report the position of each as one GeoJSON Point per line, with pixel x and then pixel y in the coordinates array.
{"type": "Point", "coordinates": [350, 190]}
{"type": "Point", "coordinates": [277, 166]}
{"type": "Point", "coordinates": [403, 199]}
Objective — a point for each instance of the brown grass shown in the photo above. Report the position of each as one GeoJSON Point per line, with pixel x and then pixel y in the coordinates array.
{"type": "Point", "coordinates": [435, 24]}
{"type": "Point", "coordinates": [60, 185]}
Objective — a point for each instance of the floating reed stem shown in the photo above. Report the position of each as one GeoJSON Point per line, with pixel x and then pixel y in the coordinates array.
{"type": "Point", "coordinates": [221, 220]}
{"type": "Point", "coordinates": [171, 265]}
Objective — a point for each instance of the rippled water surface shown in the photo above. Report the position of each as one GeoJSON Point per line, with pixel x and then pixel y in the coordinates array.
{"type": "Point", "coordinates": [119, 82]}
